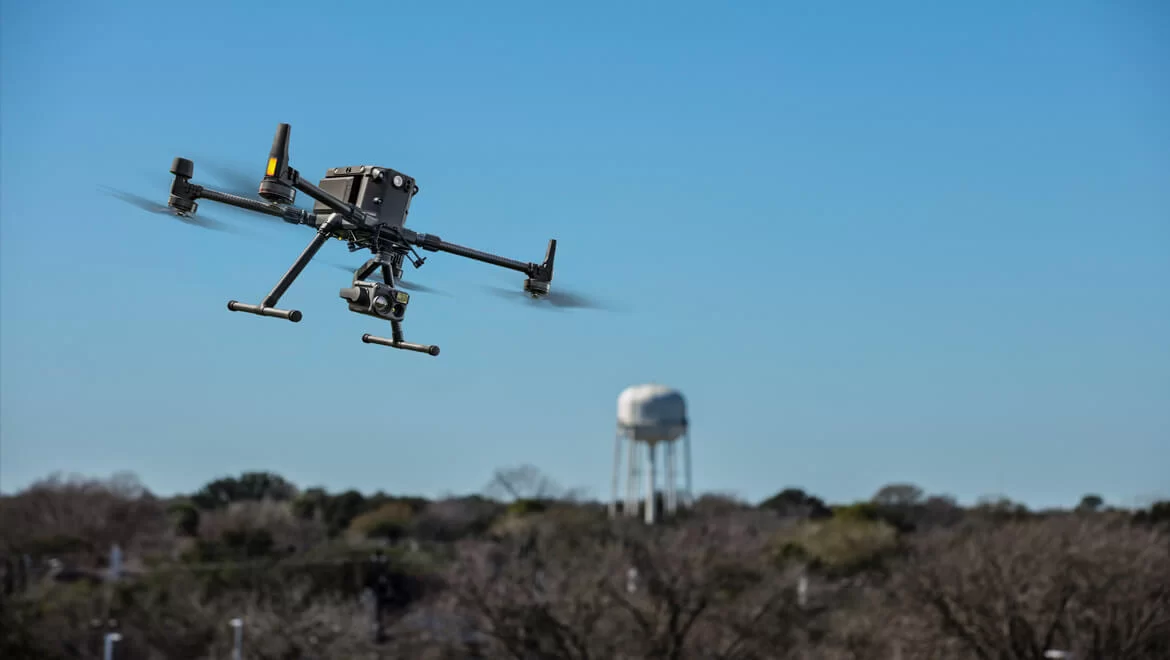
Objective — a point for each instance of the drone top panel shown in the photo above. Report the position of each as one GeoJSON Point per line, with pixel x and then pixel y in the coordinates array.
{"type": "Point", "coordinates": [383, 191]}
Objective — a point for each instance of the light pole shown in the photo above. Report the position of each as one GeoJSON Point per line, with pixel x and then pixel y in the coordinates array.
{"type": "Point", "coordinates": [237, 625]}
{"type": "Point", "coordinates": [108, 650]}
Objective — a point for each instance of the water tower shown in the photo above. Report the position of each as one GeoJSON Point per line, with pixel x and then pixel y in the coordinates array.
{"type": "Point", "coordinates": [650, 416]}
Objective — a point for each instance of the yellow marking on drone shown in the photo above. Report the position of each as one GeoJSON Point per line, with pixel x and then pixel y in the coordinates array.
{"type": "Point", "coordinates": [271, 167]}
{"type": "Point", "coordinates": [403, 297]}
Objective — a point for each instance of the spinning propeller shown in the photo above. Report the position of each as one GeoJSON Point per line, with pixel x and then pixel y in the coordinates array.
{"type": "Point", "coordinates": [401, 284]}
{"type": "Point", "coordinates": [555, 298]}
{"type": "Point", "coordinates": [162, 209]}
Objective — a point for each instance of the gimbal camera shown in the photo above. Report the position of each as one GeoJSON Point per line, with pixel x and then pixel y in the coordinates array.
{"type": "Point", "coordinates": [366, 206]}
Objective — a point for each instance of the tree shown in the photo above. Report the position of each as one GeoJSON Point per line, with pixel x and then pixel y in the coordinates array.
{"type": "Point", "coordinates": [336, 512]}
{"type": "Point", "coordinates": [1094, 587]}
{"type": "Point", "coordinates": [1157, 514]}
{"type": "Point", "coordinates": [452, 519]}
{"type": "Point", "coordinates": [340, 510]}
{"type": "Point", "coordinates": [1000, 508]}
{"type": "Point", "coordinates": [391, 521]}
{"type": "Point", "coordinates": [794, 502]}
{"type": "Point", "coordinates": [526, 482]}
{"type": "Point", "coordinates": [185, 518]}
{"type": "Point", "coordinates": [82, 514]}
{"type": "Point", "coordinates": [898, 495]}
{"type": "Point", "coordinates": [1091, 503]}
{"type": "Point", "coordinates": [938, 511]}
{"type": "Point", "coordinates": [706, 587]}
{"type": "Point", "coordinates": [248, 486]}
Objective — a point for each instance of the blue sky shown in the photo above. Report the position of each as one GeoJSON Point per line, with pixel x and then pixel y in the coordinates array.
{"type": "Point", "coordinates": [870, 242]}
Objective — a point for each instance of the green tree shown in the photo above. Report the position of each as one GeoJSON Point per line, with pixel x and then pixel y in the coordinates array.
{"type": "Point", "coordinates": [1091, 503]}
{"type": "Point", "coordinates": [794, 502]}
{"type": "Point", "coordinates": [898, 495]}
{"type": "Point", "coordinates": [248, 486]}
{"type": "Point", "coordinates": [184, 518]}
{"type": "Point", "coordinates": [391, 521]}
{"type": "Point", "coordinates": [1157, 514]}
{"type": "Point", "coordinates": [340, 510]}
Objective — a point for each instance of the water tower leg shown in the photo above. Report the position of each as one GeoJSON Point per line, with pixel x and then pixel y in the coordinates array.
{"type": "Point", "coordinates": [690, 494]}
{"type": "Point", "coordinates": [650, 485]}
{"type": "Point", "coordinates": [632, 478]}
{"type": "Point", "coordinates": [617, 473]}
{"type": "Point", "coordinates": [669, 487]}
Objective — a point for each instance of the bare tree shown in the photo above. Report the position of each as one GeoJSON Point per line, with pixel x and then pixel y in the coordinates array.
{"type": "Point", "coordinates": [81, 516]}
{"type": "Point", "coordinates": [526, 482]}
{"type": "Point", "coordinates": [708, 588]}
{"type": "Point", "coordinates": [1096, 587]}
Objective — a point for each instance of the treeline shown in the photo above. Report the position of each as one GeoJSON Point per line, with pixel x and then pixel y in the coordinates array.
{"type": "Point", "coordinates": [528, 569]}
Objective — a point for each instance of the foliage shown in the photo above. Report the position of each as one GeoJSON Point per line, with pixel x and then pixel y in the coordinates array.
{"type": "Point", "coordinates": [390, 521]}
{"type": "Point", "coordinates": [1157, 514]}
{"type": "Point", "coordinates": [796, 503]}
{"type": "Point", "coordinates": [450, 519]}
{"type": "Point", "coordinates": [524, 507]}
{"type": "Point", "coordinates": [544, 574]}
{"type": "Point", "coordinates": [185, 518]}
{"type": "Point", "coordinates": [898, 495]}
{"type": "Point", "coordinates": [841, 545]}
{"type": "Point", "coordinates": [76, 515]}
{"type": "Point", "coordinates": [1091, 503]}
{"type": "Point", "coordinates": [248, 486]}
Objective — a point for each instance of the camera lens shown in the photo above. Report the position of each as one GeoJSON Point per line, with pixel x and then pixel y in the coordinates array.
{"type": "Point", "coordinates": [381, 304]}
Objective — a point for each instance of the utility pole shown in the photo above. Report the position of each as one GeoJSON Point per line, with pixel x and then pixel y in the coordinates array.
{"type": "Point", "coordinates": [237, 625]}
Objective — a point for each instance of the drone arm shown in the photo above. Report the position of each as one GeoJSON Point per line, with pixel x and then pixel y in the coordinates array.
{"type": "Point", "coordinates": [485, 257]}
{"type": "Point", "coordinates": [289, 214]}
{"type": "Point", "coordinates": [433, 243]}
{"type": "Point", "coordinates": [238, 202]}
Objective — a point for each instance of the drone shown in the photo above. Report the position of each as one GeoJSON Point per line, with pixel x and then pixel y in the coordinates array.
{"type": "Point", "coordinates": [364, 205]}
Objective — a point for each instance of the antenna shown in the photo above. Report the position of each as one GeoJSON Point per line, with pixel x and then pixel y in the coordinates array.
{"type": "Point", "coordinates": [276, 186]}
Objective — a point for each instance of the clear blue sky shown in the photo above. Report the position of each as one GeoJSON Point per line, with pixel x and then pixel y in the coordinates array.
{"type": "Point", "coordinates": [872, 242]}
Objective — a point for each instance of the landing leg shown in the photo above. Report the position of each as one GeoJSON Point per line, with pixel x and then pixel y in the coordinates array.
{"type": "Point", "coordinates": [268, 306]}
{"type": "Point", "coordinates": [390, 273]}
{"type": "Point", "coordinates": [399, 342]}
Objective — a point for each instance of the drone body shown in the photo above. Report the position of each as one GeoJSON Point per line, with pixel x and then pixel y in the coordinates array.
{"type": "Point", "coordinates": [366, 206]}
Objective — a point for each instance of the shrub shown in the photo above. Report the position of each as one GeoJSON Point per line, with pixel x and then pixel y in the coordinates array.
{"type": "Point", "coordinates": [840, 545]}
{"type": "Point", "coordinates": [523, 507]}
{"type": "Point", "coordinates": [184, 518]}
{"type": "Point", "coordinates": [276, 519]}
{"type": "Point", "coordinates": [390, 521]}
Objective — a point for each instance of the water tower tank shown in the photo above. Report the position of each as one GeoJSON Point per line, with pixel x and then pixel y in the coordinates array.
{"type": "Point", "coordinates": [652, 413]}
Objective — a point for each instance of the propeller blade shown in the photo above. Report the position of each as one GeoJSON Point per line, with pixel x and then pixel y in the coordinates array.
{"type": "Point", "coordinates": [421, 288]}
{"type": "Point", "coordinates": [234, 181]}
{"type": "Point", "coordinates": [555, 298]}
{"type": "Point", "coordinates": [376, 276]}
{"type": "Point", "coordinates": [152, 206]}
